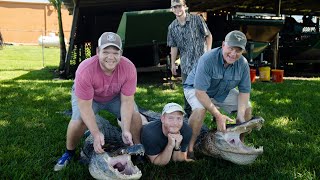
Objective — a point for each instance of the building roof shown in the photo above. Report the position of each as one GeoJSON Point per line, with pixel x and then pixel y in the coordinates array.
{"type": "Point", "coordinates": [27, 1]}
{"type": "Point", "coordinates": [290, 7]}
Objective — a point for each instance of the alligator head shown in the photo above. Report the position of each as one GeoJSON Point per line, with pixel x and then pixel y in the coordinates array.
{"type": "Point", "coordinates": [116, 166]}
{"type": "Point", "coordinates": [228, 145]}
{"type": "Point", "coordinates": [116, 162]}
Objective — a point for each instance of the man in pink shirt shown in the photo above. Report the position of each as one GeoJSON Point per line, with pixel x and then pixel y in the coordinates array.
{"type": "Point", "coordinates": [105, 81]}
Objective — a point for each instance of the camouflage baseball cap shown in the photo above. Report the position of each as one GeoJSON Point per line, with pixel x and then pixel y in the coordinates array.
{"type": "Point", "coordinates": [237, 39]}
{"type": "Point", "coordinates": [172, 107]}
{"type": "Point", "coordinates": [109, 39]}
{"type": "Point", "coordinates": [177, 2]}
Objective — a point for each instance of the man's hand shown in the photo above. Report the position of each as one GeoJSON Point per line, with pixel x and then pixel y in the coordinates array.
{"type": "Point", "coordinates": [175, 140]}
{"type": "Point", "coordinates": [221, 122]}
{"type": "Point", "coordinates": [98, 143]}
{"type": "Point", "coordinates": [173, 69]}
{"type": "Point", "coordinates": [171, 140]}
{"type": "Point", "coordinates": [127, 138]}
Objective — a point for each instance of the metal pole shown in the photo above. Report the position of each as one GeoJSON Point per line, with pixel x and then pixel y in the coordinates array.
{"type": "Point", "coordinates": [42, 49]}
{"type": "Point", "coordinates": [276, 42]}
{"type": "Point", "coordinates": [317, 24]}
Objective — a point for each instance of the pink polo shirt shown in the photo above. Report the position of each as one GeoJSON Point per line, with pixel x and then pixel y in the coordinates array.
{"type": "Point", "coordinates": [92, 83]}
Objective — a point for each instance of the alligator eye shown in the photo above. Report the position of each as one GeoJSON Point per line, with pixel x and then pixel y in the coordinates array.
{"type": "Point", "coordinates": [232, 141]}
{"type": "Point", "coordinates": [119, 166]}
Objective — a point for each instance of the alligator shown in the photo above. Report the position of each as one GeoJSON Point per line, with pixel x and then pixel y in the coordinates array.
{"type": "Point", "coordinates": [229, 146]}
{"type": "Point", "coordinates": [116, 162]}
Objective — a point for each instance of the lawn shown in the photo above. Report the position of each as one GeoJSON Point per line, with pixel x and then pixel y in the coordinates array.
{"type": "Point", "coordinates": [33, 129]}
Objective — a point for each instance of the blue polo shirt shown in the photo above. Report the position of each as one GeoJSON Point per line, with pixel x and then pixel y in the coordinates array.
{"type": "Point", "coordinates": [211, 76]}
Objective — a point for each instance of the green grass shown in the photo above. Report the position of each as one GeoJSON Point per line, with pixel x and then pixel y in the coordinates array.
{"type": "Point", "coordinates": [32, 129]}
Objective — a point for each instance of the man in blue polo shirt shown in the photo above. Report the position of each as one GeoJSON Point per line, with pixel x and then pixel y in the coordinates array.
{"type": "Point", "coordinates": [212, 85]}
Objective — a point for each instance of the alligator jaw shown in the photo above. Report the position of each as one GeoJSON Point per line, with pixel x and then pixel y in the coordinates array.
{"type": "Point", "coordinates": [255, 123]}
{"type": "Point", "coordinates": [120, 167]}
{"type": "Point", "coordinates": [231, 147]}
{"type": "Point", "coordinates": [230, 142]}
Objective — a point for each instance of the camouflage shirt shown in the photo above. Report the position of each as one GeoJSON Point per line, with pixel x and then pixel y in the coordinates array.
{"type": "Point", "coordinates": [189, 39]}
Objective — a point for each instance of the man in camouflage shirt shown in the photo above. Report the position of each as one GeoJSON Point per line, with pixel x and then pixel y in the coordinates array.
{"type": "Point", "coordinates": [189, 35]}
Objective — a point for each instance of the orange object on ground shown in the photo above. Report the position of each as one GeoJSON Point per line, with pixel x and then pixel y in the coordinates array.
{"type": "Point", "coordinates": [277, 75]}
{"type": "Point", "coordinates": [252, 75]}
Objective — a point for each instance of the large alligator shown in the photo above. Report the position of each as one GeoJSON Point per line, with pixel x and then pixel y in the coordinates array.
{"type": "Point", "coordinates": [116, 162]}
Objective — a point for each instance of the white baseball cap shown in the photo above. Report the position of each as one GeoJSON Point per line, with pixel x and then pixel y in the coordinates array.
{"type": "Point", "coordinates": [172, 107]}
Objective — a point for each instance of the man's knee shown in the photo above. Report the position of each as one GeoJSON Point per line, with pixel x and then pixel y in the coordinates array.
{"type": "Point", "coordinates": [77, 126]}
{"type": "Point", "coordinates": [136, 116]}
{"type": "Point", "coordinates": [76, 122]}
{"type": "Point", "coordinates": [199, 112]}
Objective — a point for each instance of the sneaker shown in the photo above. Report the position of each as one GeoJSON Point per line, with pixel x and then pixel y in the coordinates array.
{"type": "Point", "coordinates": [63, 161]}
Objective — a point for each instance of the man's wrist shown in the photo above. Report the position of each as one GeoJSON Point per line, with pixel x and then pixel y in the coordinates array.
{"type": "Point", "coordinates": [177, 148]}
{"type": "Point", "coordinates": [216, 113]}
{"type": "Point", "coordinates": [95, 134]}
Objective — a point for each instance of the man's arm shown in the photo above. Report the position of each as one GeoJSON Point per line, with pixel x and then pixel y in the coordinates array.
{"type": "Point", "coordinates": [174, 54]}
{"type": "Point", "coordinates": [209, 41]}
{"type": "Point", "coordinates": [126, 110]}
{"type": "Point", "coordinates": [243, 99]}
{"type": "Point", "coordinates": [88, 117]}
{"type": "Point", "coordinates": [221, 119]}
{"type": "Point", "coordinates": [207, 32]}
{"type": "Point", "coordinates": [180, 156]}
{"type": "Point", "coordinates": [164, 157]}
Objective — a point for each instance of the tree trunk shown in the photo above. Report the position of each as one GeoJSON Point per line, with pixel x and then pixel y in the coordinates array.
{"type": "Point", "coordinates": [63, 50]}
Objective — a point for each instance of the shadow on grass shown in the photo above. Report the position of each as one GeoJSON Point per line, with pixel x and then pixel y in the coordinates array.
{"type": "Point", "coordinates": [42, 74]}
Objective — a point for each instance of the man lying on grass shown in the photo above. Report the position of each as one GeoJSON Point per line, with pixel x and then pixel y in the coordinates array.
{"type": "Point", "coordinates": [167, 139]}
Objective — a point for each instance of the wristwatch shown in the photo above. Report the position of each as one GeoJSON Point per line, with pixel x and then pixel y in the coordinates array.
{"type": "Point", "coordinates": [177, 149]}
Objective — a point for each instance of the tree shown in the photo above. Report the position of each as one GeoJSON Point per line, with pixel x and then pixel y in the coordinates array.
{"type": "Point", "coordinates": [1, 40]}
{"type": "Point", "coordinates": [57, 5]}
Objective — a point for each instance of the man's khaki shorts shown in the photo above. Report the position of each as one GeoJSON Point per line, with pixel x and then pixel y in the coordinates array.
{"type": "Point", "coordinates": [229, 105]}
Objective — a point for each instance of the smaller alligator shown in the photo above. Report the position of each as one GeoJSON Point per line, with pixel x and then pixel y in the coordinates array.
{"type": "Point", "coordinates": [116, 162]}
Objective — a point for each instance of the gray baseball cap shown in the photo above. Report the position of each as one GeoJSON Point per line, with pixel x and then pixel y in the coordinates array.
{"type": "Point", "coordinates": [237, 39]}
{"type": "Point", "coordinates": [109, 39]}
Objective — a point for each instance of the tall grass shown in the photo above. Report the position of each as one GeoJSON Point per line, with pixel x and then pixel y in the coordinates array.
{"type": "Point", "coordinates": [32, 127]}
